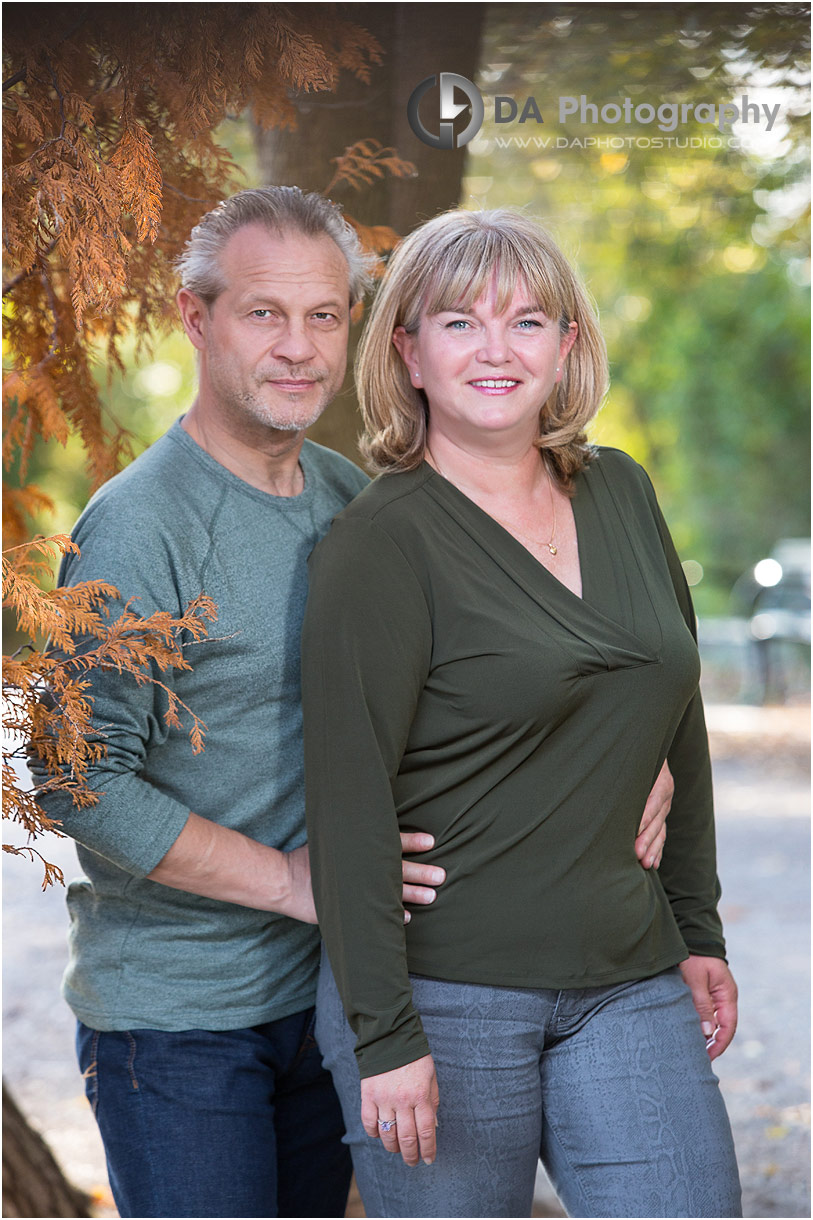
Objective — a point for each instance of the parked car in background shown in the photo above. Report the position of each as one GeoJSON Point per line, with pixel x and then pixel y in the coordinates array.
{"type": "Point", "coordinates": [774, 597]}
{"type": "Point", "coordinates": [780, 602]}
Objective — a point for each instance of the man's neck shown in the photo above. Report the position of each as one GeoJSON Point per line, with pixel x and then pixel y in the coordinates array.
{"type": "Point", "coordinates": [268, 460]}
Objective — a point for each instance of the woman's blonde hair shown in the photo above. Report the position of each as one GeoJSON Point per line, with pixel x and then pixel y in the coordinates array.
{"type": "Point", "coordinates": [449, 263]}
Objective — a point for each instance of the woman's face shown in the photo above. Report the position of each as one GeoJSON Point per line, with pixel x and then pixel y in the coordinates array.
{"type": "Point", "coordinates": [487, 374]}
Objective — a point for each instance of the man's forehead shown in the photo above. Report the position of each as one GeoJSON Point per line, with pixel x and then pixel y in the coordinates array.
{"type": "Point", "coordinates": [257, 255]}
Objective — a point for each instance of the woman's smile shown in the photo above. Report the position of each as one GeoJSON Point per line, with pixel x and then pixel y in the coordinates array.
{"type": "Point", "coordinates": [502, 385]}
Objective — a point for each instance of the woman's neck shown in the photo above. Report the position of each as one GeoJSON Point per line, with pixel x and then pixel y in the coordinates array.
{"type": "Point", "coordinates": [517, 471]}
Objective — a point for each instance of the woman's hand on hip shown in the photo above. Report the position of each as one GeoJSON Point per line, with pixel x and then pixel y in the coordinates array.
{"type": "Point", "coordinates": [409, 1096]}
{"type": "Point", "coordinates": [715, 997]}
{"type": "Point", "coordinates": [652, 831]}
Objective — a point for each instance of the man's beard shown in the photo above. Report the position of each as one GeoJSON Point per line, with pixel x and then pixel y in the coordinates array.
{"type": "Point", "coordinates": [274, 415]}
{"type": "Point", "coordinates": [288, 413]}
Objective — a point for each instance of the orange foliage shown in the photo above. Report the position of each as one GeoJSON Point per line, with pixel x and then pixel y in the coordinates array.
{"type": "Point", "coordinates": [360, 164]}
{"type": "Point", "coordinates": [46, 705]}
{"type": "Point", "coordinates": [109, 161]}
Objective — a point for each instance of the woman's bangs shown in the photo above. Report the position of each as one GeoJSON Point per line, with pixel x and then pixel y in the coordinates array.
{"type": "Point", "coordinates": [461, 276]}
{"type": "Point", "coordinates": [468, 269]}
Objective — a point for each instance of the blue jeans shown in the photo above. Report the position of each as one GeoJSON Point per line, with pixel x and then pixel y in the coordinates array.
{"type": "Point", "coordinates": [239, 1122]}
{"type": "Point", "coordinates": [610, 1086]}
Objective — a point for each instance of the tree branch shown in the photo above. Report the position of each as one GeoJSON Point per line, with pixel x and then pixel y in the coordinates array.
{"type": "Point", "coordinates": [23, 275]}
{"type": "Point", "coordinates": [15, 79]}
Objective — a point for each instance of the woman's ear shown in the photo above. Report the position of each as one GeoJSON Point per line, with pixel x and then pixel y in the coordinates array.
{"type": "Point", "coordinates": [405, 343]}
{"type": "Point", "coordinates": [567, 341]}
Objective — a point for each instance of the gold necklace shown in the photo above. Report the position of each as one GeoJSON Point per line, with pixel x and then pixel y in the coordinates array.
{"type": "Point", "coordinates": [512, 529]}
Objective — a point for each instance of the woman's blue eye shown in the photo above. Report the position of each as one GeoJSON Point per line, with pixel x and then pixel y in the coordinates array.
{"type": "Point", "coordinates": [457, 324]}
{"type": "Point", "coordinates": [529, 323]}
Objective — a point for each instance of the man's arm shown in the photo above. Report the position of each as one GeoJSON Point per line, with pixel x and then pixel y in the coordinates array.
{"type": "Point", "coordinates": [216, 862]}
{"type": "Point", "coordinates": [165, 842]}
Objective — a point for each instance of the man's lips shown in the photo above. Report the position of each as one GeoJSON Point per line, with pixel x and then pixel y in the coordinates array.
{"type": "Point", "coordinates": [292, 384]}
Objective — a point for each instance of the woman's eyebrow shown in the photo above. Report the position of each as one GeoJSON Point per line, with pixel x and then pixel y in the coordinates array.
{"type": "Point", "coordinates": [529, 309]}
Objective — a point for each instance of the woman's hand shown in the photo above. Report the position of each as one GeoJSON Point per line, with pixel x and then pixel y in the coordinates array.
{"type": "Point", "coordinates": [409, 1095]}
{"type": "Point", "coordinates": [715, 997]}
{"type": "Point", "coordinates": [652, 831]}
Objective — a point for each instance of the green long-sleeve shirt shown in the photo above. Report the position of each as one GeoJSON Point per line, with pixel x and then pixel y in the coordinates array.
{"type": "Point", "coordinates": [452, 684]}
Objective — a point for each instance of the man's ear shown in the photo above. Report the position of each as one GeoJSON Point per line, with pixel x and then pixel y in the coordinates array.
{"type": "Point", "coordinates": [194, 315]}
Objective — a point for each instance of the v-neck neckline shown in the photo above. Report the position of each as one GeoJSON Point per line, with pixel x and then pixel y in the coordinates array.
{"type": "Point", "coordinates": [578, 613]}
{"type": "Point", "coordinates": [477, 509]}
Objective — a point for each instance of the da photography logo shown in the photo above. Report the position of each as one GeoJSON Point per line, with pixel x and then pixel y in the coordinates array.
{"type": "Point", "coordinates": [449, 110]}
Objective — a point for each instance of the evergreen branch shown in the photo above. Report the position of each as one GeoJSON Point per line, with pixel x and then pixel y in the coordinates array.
{"type": "Point", "coordinates": [23, 275]}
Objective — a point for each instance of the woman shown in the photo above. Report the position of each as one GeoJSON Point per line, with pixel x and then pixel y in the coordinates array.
{"type": "Point", "coordinates": [498, 649]}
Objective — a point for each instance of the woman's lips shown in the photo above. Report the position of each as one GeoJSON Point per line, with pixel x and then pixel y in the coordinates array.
{"type": "Point", "coordinates": [495, 385]}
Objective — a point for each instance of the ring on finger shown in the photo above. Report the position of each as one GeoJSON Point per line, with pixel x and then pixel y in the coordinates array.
{"type": "Point", "coordinates": [386, 1124]}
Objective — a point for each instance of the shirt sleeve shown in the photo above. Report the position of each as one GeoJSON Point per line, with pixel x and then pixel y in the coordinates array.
{"type": "Point", "coordinates": [134, 823]}
{"type": "Point", "coordinates": [366, 647]}
{"type": "Point", "coordinates": [688, 871]}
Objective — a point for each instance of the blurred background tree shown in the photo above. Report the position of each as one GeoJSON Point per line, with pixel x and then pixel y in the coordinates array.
{"type": "Point", "coordinates": [697, 256]}
{"type": "Point", "coordinates": [110, 158]}
{"type": "Point", "coordinates": [410, 36]}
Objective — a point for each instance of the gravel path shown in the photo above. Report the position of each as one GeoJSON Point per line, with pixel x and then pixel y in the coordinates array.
{"type": "Point", "coordinates": [761, 778]}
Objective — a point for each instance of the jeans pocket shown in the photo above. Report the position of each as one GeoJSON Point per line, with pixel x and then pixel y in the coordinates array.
{"type": "Point", "coordinates": [87, 1049]}
{"type": "Point", "coordinates": [308, 1042]}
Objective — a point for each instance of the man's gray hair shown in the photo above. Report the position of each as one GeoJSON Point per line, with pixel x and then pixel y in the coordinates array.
{"type": "Point", "coordinates": [282, 209]}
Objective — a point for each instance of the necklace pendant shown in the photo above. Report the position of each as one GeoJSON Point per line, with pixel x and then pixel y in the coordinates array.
{"type": "Point", "coordinates": [553, 550]}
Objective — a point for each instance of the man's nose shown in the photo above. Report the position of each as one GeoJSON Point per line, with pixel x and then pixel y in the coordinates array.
{"type": "Point", "coordinates": [294, 343]}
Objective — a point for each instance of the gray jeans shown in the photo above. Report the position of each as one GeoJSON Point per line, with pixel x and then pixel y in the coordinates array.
{"type": "Point", "coordinates": [610, 1086]}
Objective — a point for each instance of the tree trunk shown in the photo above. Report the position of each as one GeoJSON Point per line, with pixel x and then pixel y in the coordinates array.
{"type": "Point", "coordinates": [418, 40]}
{"type": "Point", "coordinates": [33, 1183]}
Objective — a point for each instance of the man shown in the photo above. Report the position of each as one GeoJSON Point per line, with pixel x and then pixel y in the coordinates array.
{"type": "Point", "coordinates": [193, 950]}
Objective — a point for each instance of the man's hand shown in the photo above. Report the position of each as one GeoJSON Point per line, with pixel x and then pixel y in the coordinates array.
{"type": "Point", "coordinates": [652, 831]}
{"type": "Point", "coordinates": [419, 878]}
{"type": "Point", "coordinates": [409, 1096]}
{"type": "Point", "coordinates": [715, 997]}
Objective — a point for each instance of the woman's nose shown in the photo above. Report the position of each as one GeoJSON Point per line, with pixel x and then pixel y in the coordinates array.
{"type": "Point", "coordinates": [495, 348]}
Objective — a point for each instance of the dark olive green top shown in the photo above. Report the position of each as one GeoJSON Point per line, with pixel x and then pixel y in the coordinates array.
{"type": "Point", "coordinates": [451, 684]}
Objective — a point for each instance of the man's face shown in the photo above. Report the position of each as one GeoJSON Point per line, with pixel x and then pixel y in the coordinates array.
{"type": "Point", "coordinates": [274, 347]}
